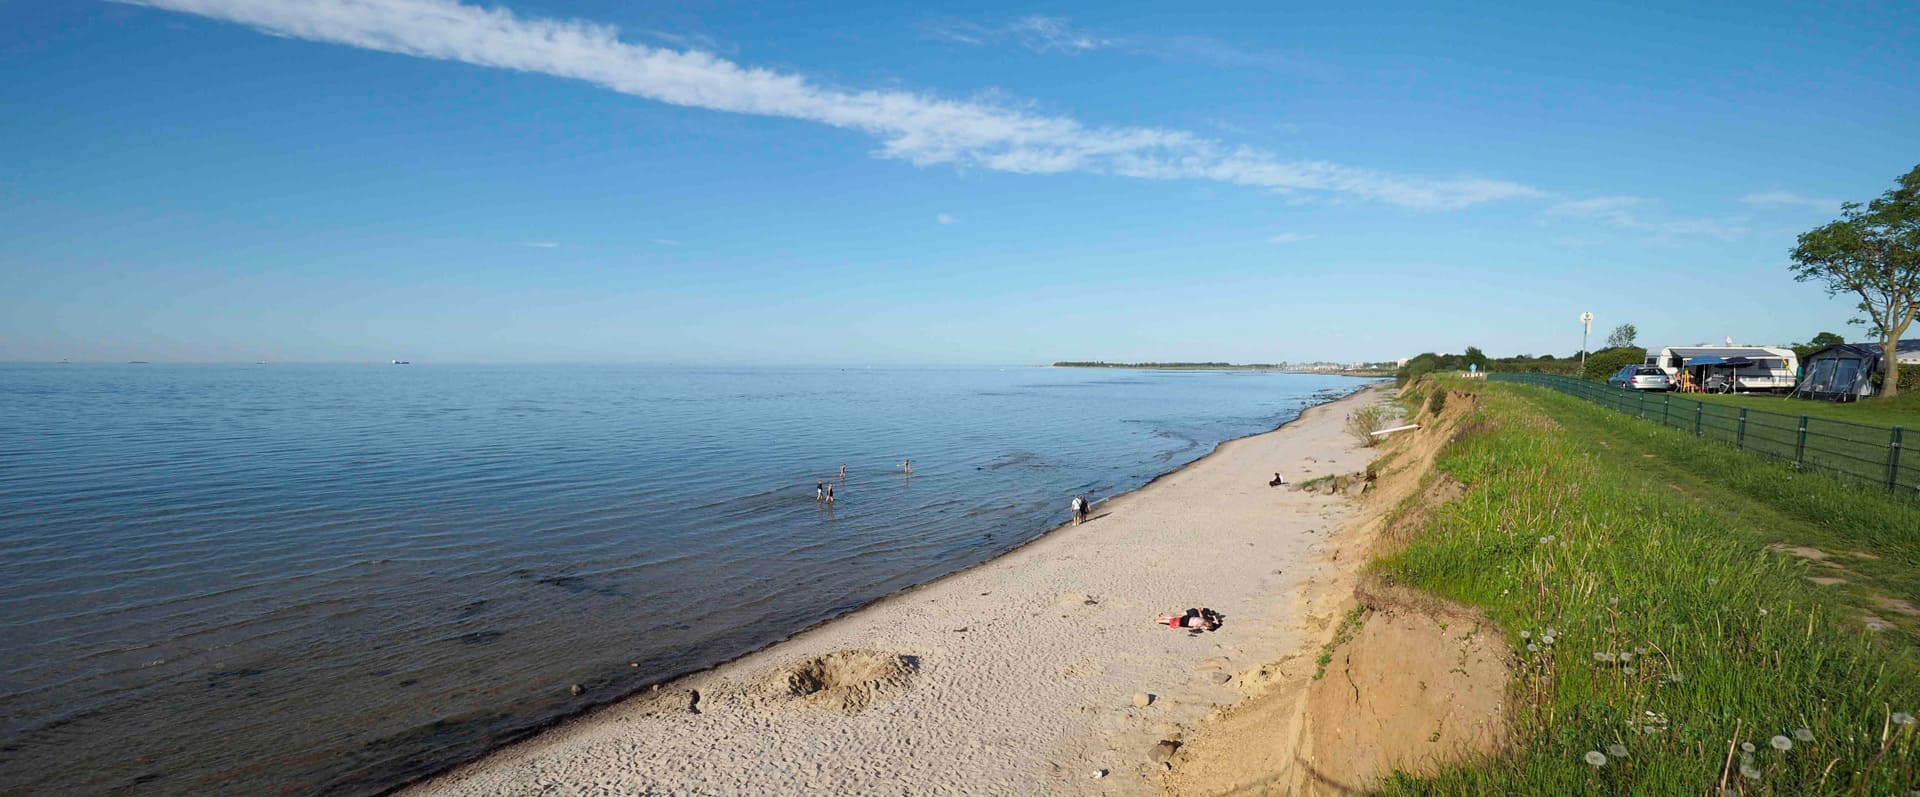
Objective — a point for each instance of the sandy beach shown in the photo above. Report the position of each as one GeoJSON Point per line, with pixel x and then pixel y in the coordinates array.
{"type": "Point", "coordinates": [1020, 676]}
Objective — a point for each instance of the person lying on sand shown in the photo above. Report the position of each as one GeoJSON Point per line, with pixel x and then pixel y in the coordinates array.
{"type": "Point", "coordinates": [1193, 619]}
{"type": "Point", "coordinates": [1278, 481]}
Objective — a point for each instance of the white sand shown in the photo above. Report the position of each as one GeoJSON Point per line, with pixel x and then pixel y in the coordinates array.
{"type": "Point", "coordinates": [1035, 695]}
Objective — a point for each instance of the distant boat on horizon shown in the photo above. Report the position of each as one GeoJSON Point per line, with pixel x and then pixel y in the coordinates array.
{"type": "Point", "coordinates": [138, 362]}
{"type": "Point", "coordinates": [401, 362]}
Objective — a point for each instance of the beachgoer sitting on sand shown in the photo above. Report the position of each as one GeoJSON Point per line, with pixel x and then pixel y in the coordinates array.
{"type": "Point", "coordinates": [1278, 481]}
{"type": "Point", "coordinates": [1192, 619]}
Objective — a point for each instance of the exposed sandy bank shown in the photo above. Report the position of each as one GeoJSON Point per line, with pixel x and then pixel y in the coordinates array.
{"type": "Point", "coordinates": [1020, 676]}
{"type": "Point", "coordinates": [1409, 682]}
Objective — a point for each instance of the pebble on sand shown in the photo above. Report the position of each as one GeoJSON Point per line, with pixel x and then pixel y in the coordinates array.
{"type": "Point", "coordinates": [1162, 751]}
{"type": "Point", "coordinates": [1142, 699]}
{"type": "Point", "coordinates": [1219, 677]}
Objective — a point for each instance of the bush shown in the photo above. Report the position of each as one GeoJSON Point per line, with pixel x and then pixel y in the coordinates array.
{"type": "Point", "coordinates": [1437, 401]}
{"type": "Point", "coordinates": [1364, 422]}
{"type": "Point", "coordinates": [1603, 363]}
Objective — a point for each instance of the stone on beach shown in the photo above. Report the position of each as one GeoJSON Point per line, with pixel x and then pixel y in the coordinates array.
{"type": "Point", "coordinates": [1142, 699]}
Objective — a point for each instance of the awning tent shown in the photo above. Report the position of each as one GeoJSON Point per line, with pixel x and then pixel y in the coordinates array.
{"type": "Point", "coordinates": [1845, 371]}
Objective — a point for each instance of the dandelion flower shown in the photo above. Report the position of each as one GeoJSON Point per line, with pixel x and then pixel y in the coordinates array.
{"type": "Point", "coordinates": [1617, 750]}
{"type": "Point", "coordinates": [1613, 601]}
{"type": "Point", "coordinates": [1526, 634]}
{"type": "Point", "coordinates": [1552, 632]}
{"type": "Point", "coordinates": [1596, 758]}
{"type": "Point", "coordinates": [1532, 648]}
{"type": "Point", "coordinates": [1902, 718]}
{"type": "Point", "coordinates": [1628, 670]}
{"type": "Point", "coordinates": [1747, 747]}
{"type": "Point", "coordinates": [1781, 743]}
{"type": "Point", "coordinates": [1626, 656]}
{"type": "Point", "coordinates": [1749, 772]}
{"type": "Point", "coordinates": [1803, 734]}
{"type": "Point", "coordinates": [1763, 612]}
{"type": "Point", "coordinates": [1712, 581]}
{"type": "Point", "coordinates": [1545, 540]}
{"type": "Point", "coordinates": [1547, 639]}
{"type": "Point", "coordinates": [1603, 657]}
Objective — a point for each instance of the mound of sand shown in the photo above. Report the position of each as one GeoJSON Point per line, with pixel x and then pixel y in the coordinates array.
{"type": "Point", "coordinates": [848, 681]}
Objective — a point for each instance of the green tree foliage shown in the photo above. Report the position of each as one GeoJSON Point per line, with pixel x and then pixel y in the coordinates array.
{"type": "Point", "coordinates": [1873, 252]}
{"type": "Point", "coordinates": [1826, 339]}
{"type": "Point", "coordinates": [1475, 356]}
{"type": "Point", "coordinates": [1601, 364]}
{"type": "Point", "coordinates": [1623, 336]}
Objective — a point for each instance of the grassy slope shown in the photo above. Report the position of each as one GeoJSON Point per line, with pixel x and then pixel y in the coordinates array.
{"type": "Point", "coordinates": [1568, 529]}
{"type": "Point", "coordinates": [1903, 410]}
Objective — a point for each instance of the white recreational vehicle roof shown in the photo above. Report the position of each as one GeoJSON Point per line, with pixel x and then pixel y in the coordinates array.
{"type": "Point", "coordinates": [1724, 351]}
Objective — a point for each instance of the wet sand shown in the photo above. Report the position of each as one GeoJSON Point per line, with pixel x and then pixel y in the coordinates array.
{"type": "Point", "coordinates": [1019, 676]}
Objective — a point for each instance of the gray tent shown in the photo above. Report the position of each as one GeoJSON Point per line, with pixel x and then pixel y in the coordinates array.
{"type": "Point", "coordinates": [1844, 371]}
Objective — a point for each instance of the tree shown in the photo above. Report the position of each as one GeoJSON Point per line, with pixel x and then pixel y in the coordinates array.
{"type": "Point", "coordinates": [1477, 357]}
{"type": "Point", "coordinates": [1601, 364]}
{"type": "Point", "coordinates": [1826, 339]}
{"type": "Point", "coordinates": [1622, 337]}
{"type": "Point", "coordinates": [1873, 252]}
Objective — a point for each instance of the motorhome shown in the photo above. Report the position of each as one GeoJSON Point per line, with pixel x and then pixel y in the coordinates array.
{"type": "Point", "coordinates": [1731, 368]}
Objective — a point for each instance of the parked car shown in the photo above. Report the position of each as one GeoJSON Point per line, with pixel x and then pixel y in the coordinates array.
{"type": "Point", "coordinates": [1641, 377]}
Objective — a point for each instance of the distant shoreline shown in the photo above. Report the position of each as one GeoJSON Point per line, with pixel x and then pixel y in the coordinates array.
{"type": "Point", "coordinates": [1280, 368]}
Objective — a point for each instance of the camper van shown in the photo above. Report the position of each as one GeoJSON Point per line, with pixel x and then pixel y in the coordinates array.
{"type": "Point", "coordinates": [1728, 369]}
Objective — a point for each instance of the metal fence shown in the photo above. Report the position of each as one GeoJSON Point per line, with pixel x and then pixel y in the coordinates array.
{"type": "Point", "coordinates": [1853, 451]}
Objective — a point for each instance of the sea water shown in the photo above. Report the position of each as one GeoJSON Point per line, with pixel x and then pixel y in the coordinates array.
{"type": "Point", "coordinates": [311, 579]}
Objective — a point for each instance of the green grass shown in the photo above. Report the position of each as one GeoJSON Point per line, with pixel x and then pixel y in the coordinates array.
{"type": "Point", "coordinates": [1902, 410]}
{"type": "Point", "coordinates": [1614, 553]}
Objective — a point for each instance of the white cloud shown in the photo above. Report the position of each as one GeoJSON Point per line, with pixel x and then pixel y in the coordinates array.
{"type": "Point", "coordinates": [1621, 211]}
{"type": "Point", "coordinates": [1289, 238]}
{"type": "Point", "coordinates": [947, 218]}
{"type": "Point", "coordinates": [919, 128]}
{"type": "Point", "coordinates": [1053, 34]}
{"type": "Point", "coordinates": [1040, 34]}
{"type": "Point", "coordinates": [1792, 199]}
{"type": "Point", "coordinates": [544, 244]}
{"type": "Point", "coordinates": [1043, 34]}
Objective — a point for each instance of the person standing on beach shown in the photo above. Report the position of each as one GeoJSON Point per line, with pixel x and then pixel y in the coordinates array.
{"type": "Point", "coordinates": [1086, 507]}
{"type": "Point", "coordinates": [1079, 508]}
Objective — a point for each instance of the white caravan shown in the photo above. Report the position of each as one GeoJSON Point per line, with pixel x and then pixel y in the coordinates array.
{"type": "Point", "coordinates": [1753, 368]}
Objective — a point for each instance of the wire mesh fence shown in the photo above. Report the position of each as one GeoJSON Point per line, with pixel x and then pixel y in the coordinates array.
{"type": "Point", "coordinates": [1855, 451]}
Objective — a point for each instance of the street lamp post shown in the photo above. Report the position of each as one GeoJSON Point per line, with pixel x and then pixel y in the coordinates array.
{"type": "Point", "coordinates": [1586, 328]}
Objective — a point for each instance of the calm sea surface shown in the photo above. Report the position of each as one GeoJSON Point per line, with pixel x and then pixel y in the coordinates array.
{"type": "Point", "coordinates": [327, 579]}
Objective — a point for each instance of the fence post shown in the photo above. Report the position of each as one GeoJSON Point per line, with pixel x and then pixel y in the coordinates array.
{"type": "Point", "coordinates": [1699, 411]}
{"type": "Point", "coordinates": [1741, 442]}
{"type": "Point", "coordinates": [1893, 458]}
{"type": "Point", "coordinates": [1800, 447]}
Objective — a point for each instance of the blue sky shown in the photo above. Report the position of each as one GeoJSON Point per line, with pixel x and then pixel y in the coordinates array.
{"type": "Point", "coordinates": [877, 183]}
